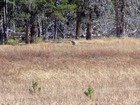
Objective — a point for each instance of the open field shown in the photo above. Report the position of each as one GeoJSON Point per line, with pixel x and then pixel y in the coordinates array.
{"type": "Point", "coordinates": [110, 66]}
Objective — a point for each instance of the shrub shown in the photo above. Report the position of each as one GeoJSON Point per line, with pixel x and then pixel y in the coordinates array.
{"type": "Point", "coordinates": [12, 41]}
{"type": "Point", "coordinates": [89, 92]}
{"type": "Point", "coordinates": [35, 87]}
{"type": "Point", "coordinates": [38, 39]}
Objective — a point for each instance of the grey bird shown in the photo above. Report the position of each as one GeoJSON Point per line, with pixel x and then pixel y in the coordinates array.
{"type": "Point", "coordinates": [73, 42]}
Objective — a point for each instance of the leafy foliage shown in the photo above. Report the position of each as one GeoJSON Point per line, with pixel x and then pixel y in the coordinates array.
{"type": "Point", "coordinates": [35, 87]}
{"type": "Point", "coordinates": [12, 41]}
{"type": "Point", "coordinates": [89, 92]}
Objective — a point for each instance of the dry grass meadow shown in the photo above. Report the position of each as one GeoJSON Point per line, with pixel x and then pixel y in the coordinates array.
{"type": "Point", "coordinates": [110, 66]}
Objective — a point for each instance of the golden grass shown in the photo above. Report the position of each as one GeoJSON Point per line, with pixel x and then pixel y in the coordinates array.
{"type": "Point", "coordinates": [110, 66]}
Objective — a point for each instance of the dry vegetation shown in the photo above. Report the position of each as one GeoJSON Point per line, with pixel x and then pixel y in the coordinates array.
{"type": "Point", "coordinates": [110, 66]}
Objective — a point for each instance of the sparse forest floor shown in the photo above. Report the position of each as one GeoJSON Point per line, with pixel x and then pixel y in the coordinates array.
{"type": "Point", "coordinates": [110, 66]}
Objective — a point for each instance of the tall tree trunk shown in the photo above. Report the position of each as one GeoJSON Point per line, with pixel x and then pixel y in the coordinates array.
{"type": "Point", "coordinates": [4, 24]}
{"type": "Point", "coordinates": [89, 25]}
{"type": "Point", "coordinates": [55, 24]}
{"type": "Point", "coordinates": [27, 31]}
{"type": "Point", "coordinates": [33, 27]}
{"type": "Point", "coordinates": [5, 28]}
{"type": "Point", "coordinates": [55, 30]}
{"type": "Point", "coordinates": [1, 25]}
{"type": "Point", "coordinates": [44, 26]}
{"type": "Point", "coordinates": [39, 26]}
{"type": "Point", "coordinates": [123, 17]}
{"type": "Point", "coordinates": [120, 6]}
{"type": "Point", "coordinates": [78, 24]}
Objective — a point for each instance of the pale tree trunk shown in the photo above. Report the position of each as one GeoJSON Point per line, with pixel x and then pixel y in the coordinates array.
{"type": "Point", "coordinates": [1, 25]}
{"type": "Point", "coordinates": [43, 26]}
{"type": "Point", "coordinates": [55, 29]}
{"type": "Point", "coordinates": [39, 26]}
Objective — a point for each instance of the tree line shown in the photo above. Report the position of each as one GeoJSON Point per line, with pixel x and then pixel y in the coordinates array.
{"type": "Point", "coordinates": [37, 17]}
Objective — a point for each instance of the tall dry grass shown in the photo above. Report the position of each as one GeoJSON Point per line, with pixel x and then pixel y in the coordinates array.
{"type": "Point", "coordinates": [110, 66]}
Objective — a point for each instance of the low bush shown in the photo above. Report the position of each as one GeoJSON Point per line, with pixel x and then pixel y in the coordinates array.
{"type": "Point", "coordinates": [12, 41]}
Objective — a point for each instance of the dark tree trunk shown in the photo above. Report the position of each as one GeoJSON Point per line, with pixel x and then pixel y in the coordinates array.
{"type": "Point", "coordinates": [78, 24]}
{"type": "Point", "coordinates": [33, 27]}
{"type": "Point", "coordinates": [88, 34]}
{"type": "Point", "coordinates": [27, 31]}
{"type": "Point", "coordinates": [89, 25]}
{"type": "Point", "coordinates": [4, 24]}
{"type": "Point", "coordinates": [120, 6]}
